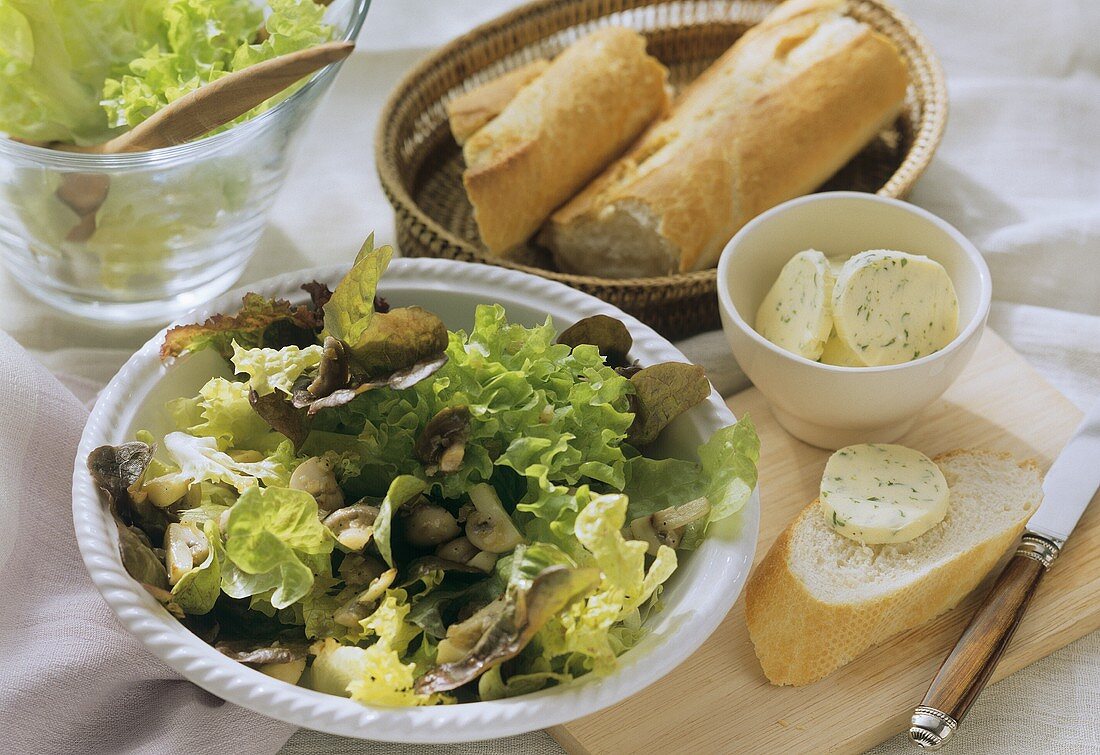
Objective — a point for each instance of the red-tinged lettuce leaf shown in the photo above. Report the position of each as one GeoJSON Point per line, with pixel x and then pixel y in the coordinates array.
{"type": "Point", "coordinates": [261, 322]}
{"type": "Point", "coordinates": [280, 413]}
{"type": "Point", "coordinates": [120, 471]}
{"type": "Point", "coordinates": [319, 294]}
{"type": "Point", "coordinates": [139, 559]}
{"type": "Point", "coordinates": [606, 333]}
{"type": "Point", "coordinates": [357, 384]}
{"type": "Point", "coordinates": [399, 339]}
{"type": "Point", "coordinates": [661, 393]}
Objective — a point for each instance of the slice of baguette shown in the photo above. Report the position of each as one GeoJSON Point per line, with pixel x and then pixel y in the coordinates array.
{"type": "Point", "coordinates": [818, 599]}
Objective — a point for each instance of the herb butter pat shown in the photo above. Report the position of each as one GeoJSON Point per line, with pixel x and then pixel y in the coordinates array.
{"type": "Point", "coordinates": [880, 493]}
{"type": "Point", "coordinates": [795, 313]}
{"type": "Point", "coordinates": [892, 307]}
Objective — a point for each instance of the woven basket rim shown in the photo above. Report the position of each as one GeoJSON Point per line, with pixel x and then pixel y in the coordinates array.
{"type": "Point", "coordinates": [926, 138]}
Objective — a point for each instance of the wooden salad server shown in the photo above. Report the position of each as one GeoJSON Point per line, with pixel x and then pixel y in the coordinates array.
{"type": "Point", "coordinates": [195, 114]}
{"type": "Point", "coordinates": [1067, 490]}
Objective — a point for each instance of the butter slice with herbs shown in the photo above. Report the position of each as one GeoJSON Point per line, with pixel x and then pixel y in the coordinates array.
{"type": "Point", "coordinates": [891, 307]}
{"type": "Point", "coordinates": [879, 493]}
{"type": "Point", "coordinates": [795, 314]}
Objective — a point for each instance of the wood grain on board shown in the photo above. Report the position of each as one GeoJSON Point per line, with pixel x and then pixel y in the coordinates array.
{"type": "Point", "coordinates": [718, 701]}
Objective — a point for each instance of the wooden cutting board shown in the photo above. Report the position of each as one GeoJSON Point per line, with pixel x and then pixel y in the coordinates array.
{"type": "Point", "coordinates": [718, 701]}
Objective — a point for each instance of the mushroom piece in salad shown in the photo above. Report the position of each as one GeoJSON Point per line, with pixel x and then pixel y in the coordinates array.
{"type": "Point", "coordinates": [367, 504]}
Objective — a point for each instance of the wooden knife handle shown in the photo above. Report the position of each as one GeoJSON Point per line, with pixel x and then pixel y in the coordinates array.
{"type": "Point", "coordinates": [964, 674]}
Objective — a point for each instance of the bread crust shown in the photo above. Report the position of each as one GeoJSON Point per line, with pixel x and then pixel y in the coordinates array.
{"type": "Point", "coordinates": [800, 639]}
{"type": "Point", "coordinates": [752, 131]}
{"type": "Point", "coordinates": [559, 131]}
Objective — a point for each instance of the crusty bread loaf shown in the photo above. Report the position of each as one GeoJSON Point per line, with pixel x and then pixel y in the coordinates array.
{"type": "Point", "coordinates": [471, 110]}
{"type": "Point", "coordinates": [819, 599]}
{"type": "Point", "coordinates": [780, 112]}
{"type": "Point", "coordinates": [559, 131]}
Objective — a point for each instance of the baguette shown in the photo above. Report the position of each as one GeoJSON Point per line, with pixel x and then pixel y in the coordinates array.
{"type": "Point", "coordinates": [471, 110]}
{"type": "Point", "coordinates": [792, 101]}
{"type": "Point", "coordinates": [559, 131]}
{"type": "Point", "coordinates": [818, 599]}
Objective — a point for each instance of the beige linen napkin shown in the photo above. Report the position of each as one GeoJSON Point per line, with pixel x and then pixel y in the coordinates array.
{"type": "Point", "coordinates": [72, 680]}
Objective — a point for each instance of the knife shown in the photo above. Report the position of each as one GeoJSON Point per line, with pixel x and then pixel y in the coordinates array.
{"type": "Point", "coordinates": [1067, 489]}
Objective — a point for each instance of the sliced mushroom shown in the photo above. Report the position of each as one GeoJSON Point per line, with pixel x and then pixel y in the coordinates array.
{"type": "Point", "coordinates": [357, 569]}
{"type": "Point", "coordinates": [441, 445]}
{"type": "Point", "coordinates": [642, 529]}
{"type": "Point", "coordinates": [484, 560]}
{"type": "Point", "coordinates": [162, 492]}
{"type": "Point", "coordinates": [353, 526]}
{"type": "Point", "coordinates": [666, 527]}
{"type": "Point", "coordinates": [246, 456]}
{"type": "Point", "coordinates": [460, 549]}
{"type": "Point", "coordinates": [489, 528]}
{"type": "Point", "coordinates": [428, 525]}
{"type": "Point", "coordinates": [185, 546]}
{"type": "Point", "coordinates": [677, 517]}
{"type": "Point", "coordinates": [335, 370]}
{"type": "Point", "coordinates": [316, 477]}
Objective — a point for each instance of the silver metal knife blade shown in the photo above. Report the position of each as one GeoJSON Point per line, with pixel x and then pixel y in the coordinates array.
{"type": "Point", "coordinates": [1071, 482]}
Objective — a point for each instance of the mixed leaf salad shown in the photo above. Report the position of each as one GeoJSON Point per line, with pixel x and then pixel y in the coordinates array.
{"type": "Point", "coordinates": [375, 507]}
{"type": "Point", "coordinates": [79, 72]}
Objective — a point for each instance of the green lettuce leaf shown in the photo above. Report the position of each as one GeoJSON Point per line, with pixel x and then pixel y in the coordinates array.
{"type": "Point", "coordinates": [585, 633]}
{"type": "Point", "coordinates": [536, 675]}
{"type": "Point", "coordinates": [376, 675]}
{"type": "Point", "coordinates": [728, 461]}
{"type": "Point", "coordinates": [271, 370]}
{"type": "Point", "coordinates": [725, 474]}
{"type": "Point", "coordinates": [55, 56]}
{"type": "Point", "coordinates": [199, 42]}
{"type": "Point", "coordinates": [275, 533]}
{"type": "Point", "coordinates": [223, 412]}
{"type": "Point", "coordinates": [80, 70]}
{"type": "Point", "coordinates": [349, 312]}
{"type": "Point", "coordinates": [402, 490]}
{"type": "Point", "coordinates": [399, 339]}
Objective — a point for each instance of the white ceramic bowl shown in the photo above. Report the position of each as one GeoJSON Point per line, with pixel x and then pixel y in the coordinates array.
{"type": "Point", "coordinates": [696, 600]}
{"type": "Point", "coordinates": [830, 406]}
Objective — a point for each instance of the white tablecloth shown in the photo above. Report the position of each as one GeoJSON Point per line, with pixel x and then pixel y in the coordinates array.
{"type": "Point", "coordinates": [1018, 172]}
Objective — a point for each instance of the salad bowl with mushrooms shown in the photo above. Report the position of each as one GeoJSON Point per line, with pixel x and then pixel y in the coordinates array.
{"type": "Point", "coordinates": [410, 506]}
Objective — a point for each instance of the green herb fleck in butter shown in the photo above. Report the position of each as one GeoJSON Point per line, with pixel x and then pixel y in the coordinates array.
{"type": "Point", "coordinates": [880, 493]}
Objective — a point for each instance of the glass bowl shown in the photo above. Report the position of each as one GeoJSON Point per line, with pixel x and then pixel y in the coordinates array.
{"type": "Point", "coordinates": [178, 224]}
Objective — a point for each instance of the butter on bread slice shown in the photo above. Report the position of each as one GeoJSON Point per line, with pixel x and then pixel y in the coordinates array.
{"type": "Point", "coordinates": [819, 599]}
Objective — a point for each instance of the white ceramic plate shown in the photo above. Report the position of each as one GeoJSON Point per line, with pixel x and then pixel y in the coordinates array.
{"type": "Point", "coordinates": [696, 600]}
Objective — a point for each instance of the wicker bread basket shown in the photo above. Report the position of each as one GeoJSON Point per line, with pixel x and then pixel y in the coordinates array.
{"type": "Point", "coordinates": [421, 166]}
